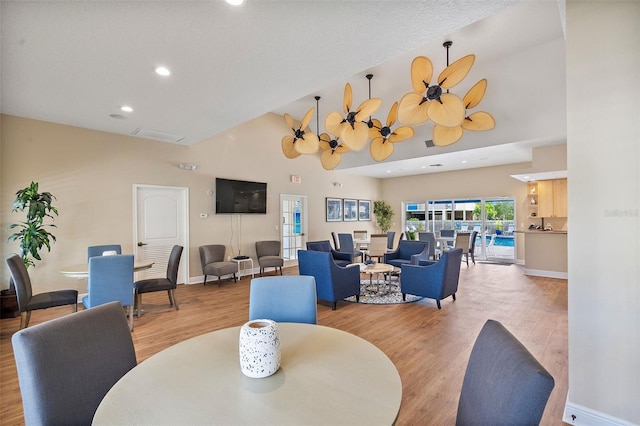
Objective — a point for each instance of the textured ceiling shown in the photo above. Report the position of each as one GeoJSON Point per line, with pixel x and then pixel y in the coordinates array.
{"type": "Point", "coordinates": [76, 62]}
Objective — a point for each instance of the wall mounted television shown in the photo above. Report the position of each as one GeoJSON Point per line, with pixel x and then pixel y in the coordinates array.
{"type": "Point", "coordinates": [240, 196]}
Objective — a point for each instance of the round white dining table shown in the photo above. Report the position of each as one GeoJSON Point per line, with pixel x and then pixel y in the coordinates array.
{"type": "Point", "coordinates": [326, 377]}
{"type": "Point", "coordinates": [82, 270]}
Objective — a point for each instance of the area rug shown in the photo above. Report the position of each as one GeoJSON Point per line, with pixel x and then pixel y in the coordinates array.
{"type": "Point", "coordinates": [382, 295]}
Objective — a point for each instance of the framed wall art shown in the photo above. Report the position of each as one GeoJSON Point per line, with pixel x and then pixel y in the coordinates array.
{"type": "Point", "coordinates": [334, 209]}
{"type": "Point", "coordinates": [350, 208]}
{"type": "Point", "coordinates": [364, 209]}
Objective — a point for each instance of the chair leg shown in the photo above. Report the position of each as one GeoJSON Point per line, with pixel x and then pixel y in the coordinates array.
{"type": "Point", "coordinates": [138, 304]}
{"type": "Point", "coordinates": [404, 296]}
{"type": "Point", "coordinates": [172, 296]}
{"type": "Point", "coordinates": [454, 296]}
{"type": "Point", "coordinates": [220, 281]}
{"type": "Point", "coordinates": [205, 280]}
{"type": "Point", "coordinates": [74, 307]}
{"type": "Point", "coordinates": [438, 303]}
{"type": "Point", "coordinates": [131, 317]}
{"type": "Point", "coordinates": [333, 305]}
{"type": "Point", "coordinates": [235, 280]}
{"type": "Point", "coordinates": [261, 270]}
{"type": "Point", "coordinates": [24, 319]}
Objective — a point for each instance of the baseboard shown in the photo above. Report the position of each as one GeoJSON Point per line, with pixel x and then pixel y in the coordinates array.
{"type": "Point", "coordinates": [200, 278]}
{"type": "Point", "coordinates": [548, 274]}
{"type": "Point", "coordinates": [575, 414]}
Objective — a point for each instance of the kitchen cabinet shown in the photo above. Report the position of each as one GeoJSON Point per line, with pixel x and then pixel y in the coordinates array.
{"type": "Point", "coordinates": [551, 198]}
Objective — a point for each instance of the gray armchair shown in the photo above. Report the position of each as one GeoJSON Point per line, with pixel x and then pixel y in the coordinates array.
{"type": "Point", "coordinates": [408, 252]}
{"type": "Point", "coordinates": [503, 383]}
{"type": "Point", "coordinates": [213, 263]}
{"type": "Point", "coordinates": [67, 365]}
{"type": "Point", "coordinates": [268, 253]}
{"type": "Point", "coordinates": [434, 280]}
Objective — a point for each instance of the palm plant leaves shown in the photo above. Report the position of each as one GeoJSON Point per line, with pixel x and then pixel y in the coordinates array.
{"type": "Point", "coordinates": [32, 234]}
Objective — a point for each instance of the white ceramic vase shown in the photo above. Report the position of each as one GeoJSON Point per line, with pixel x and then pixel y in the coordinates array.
{"type": "Point", "coordinates": [259, 348]}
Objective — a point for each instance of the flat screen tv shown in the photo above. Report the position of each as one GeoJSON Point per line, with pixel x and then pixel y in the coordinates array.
{"type": "Point", "coordinates": [240, 196]}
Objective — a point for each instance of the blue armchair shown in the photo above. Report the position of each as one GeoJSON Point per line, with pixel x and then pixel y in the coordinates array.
{"type": "Point", "coordinates": [408, 252]}
{"type": "Point", "coordinates": [434, 280]}
{"type": "Point", "coordinates": [341, 259]}
{"type": "Point", "coordinates": [333, 282]}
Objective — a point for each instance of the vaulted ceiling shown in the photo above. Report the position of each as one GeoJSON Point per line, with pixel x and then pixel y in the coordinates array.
{"type": "Point", "coordinates": [77, 63]}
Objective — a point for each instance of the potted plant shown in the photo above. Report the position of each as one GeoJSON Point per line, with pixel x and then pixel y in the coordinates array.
{"type": "Point", "coordinates": [383, 213]}
{"type": "Point", "coordinates": [32, 234]}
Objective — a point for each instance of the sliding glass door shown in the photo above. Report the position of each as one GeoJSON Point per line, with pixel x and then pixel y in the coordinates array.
{"type": "Point", "coordinates": [492, 218]}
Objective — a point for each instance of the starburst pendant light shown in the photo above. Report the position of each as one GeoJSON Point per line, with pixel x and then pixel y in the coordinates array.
{"type": "Point", "coordinates": [332, 149]}
{"type": "Point", "coordinates": [478, 121]}
{"type": "Point", "coordinates": [303, 141]}
{"type": "Point", "coordinates": [352, 128]}
{"type": "Point", "coordinates": [382, 137]}
{"type": "Point", "coordinates": [427, 101]}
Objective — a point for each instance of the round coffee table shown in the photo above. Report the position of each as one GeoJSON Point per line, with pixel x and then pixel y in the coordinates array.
{"type": "Point", "coordinates": [377, 269]}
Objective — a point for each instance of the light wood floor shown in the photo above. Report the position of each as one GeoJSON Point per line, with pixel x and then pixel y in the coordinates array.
{"type": "Point", "coordinates": [430, 347]}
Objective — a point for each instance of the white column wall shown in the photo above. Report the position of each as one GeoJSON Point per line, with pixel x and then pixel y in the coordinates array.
{"type": "Point", "coordinates": [603, 151]}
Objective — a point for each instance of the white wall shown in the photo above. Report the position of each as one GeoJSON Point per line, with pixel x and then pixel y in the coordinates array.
{"type": "Point", "coordinates": [91, 173]}
{"type": "Point", "coordinates": [603, 144]}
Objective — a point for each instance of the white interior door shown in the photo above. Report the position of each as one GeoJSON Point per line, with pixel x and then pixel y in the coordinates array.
{"type": "Point", "coordinates": [293, 216]}
{"type": "Point", "coordinates": [161, 221]}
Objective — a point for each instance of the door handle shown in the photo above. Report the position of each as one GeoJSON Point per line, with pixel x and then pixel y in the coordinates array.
{"type": "Point", "coordinates": [140, 244]}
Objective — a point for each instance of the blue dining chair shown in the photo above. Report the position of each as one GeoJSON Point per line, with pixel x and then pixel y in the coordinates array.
{"type": "Point", "coordinates": [283, 299]}
{"type": "Point", "coordinates": [111, 280]}
{"type": "Point", "coordinates": [98, 250]}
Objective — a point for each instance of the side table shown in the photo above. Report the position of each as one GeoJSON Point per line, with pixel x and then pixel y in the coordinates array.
{"type": "Point", "coordinates": [243, 269]}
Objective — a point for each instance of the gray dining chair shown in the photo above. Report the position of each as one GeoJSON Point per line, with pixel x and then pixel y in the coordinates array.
{"type": "Point", "coordinates": [99, 250]}
{"type": "Point", "coordinates": [503, 383]}
{"type": "Point", "coordinates": [430, 237]}
{"type": "Point", "coordinates": [347, 246]}
{"type": "Point", "coordinates": [67, 365]}
{"type": "Point", "coordinates": [169, 283]}
{"type": "Point", "coordinates": [27, 301]}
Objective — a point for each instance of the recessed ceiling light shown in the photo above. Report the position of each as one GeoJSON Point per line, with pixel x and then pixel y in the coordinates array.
{"type": "Point", "coordinates": [126, 108]}
{"type": "Point", "coordinates": [235, 2]}
{"type": "Point", "coordinates": [163, 71]}
{"type": "Point", "coordinates": [423, 167]}
{"type": "Point", "coordinates": [388, 171]}
{"type": "Point", "coordinates": [464, 161]}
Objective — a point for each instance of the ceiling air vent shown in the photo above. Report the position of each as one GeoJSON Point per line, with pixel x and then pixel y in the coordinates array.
{"type": "Point", "coordinates": [429, 143]}
{"type": "Point", "coordinates": [157, 135]}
